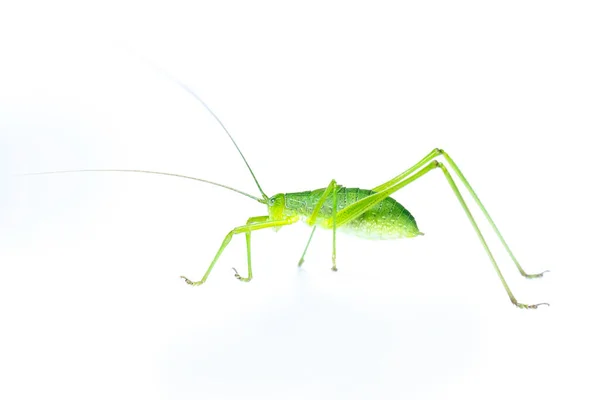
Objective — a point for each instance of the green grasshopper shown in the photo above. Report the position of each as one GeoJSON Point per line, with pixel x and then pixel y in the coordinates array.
{"type": "Point", "coordinates": [366, 213]}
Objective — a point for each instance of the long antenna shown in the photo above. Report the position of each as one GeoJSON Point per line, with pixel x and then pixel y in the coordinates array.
{"type": "Point", "coordinates": [191, 92]}
{"type": "Point", "coordinates": [148, 172]}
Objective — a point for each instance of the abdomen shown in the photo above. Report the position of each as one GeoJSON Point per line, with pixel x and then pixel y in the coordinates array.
{"type": "Point", "coordinates": [387, 220]}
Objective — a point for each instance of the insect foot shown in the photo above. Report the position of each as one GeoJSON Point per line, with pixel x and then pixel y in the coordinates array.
{"type": "Point", "coordinates": [241, 278]}
{"type": "Point", "coordinates": [189, 282]}
{"type": "Point", "coordinates": [530, 307]}
{"type": "Point", "coordinates": [533, 276]}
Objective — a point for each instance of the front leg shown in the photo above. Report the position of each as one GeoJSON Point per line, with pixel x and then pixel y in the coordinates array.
{"type": "Point", "coordinates": [251, 221]}
{"type": "Point", "coordinates": [253, 226]}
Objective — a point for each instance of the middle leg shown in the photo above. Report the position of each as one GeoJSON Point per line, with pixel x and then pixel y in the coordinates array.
{"type": "Point", "coordinates": [306, 248]}
{"type": "Point", "coordinates": [332, 190]}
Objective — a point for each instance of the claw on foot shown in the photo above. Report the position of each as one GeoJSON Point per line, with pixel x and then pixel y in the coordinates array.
{"type": "Point", "coordinates": [534, 276]}
{"type": "Point", "coordinates": [300, 262]}
{"type": "Point", "coordinates": [189, 282]}
{"type": "Point", "coordinates": [530, 307]}
{"type": "Point", "coordinates": [241, 278]}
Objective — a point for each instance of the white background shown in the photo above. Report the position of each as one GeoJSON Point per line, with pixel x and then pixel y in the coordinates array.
{"type": "Point", "coordinates": [91, 304]}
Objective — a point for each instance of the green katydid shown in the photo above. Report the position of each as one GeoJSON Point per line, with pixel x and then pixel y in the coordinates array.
{"type": "Point", "coordinates": [371, 214]}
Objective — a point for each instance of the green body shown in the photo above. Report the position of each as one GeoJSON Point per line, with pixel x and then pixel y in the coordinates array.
{"type": "Point", "coordinates": [370, 214]}
{"type": "Point", "coordinates": [388, 220]}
